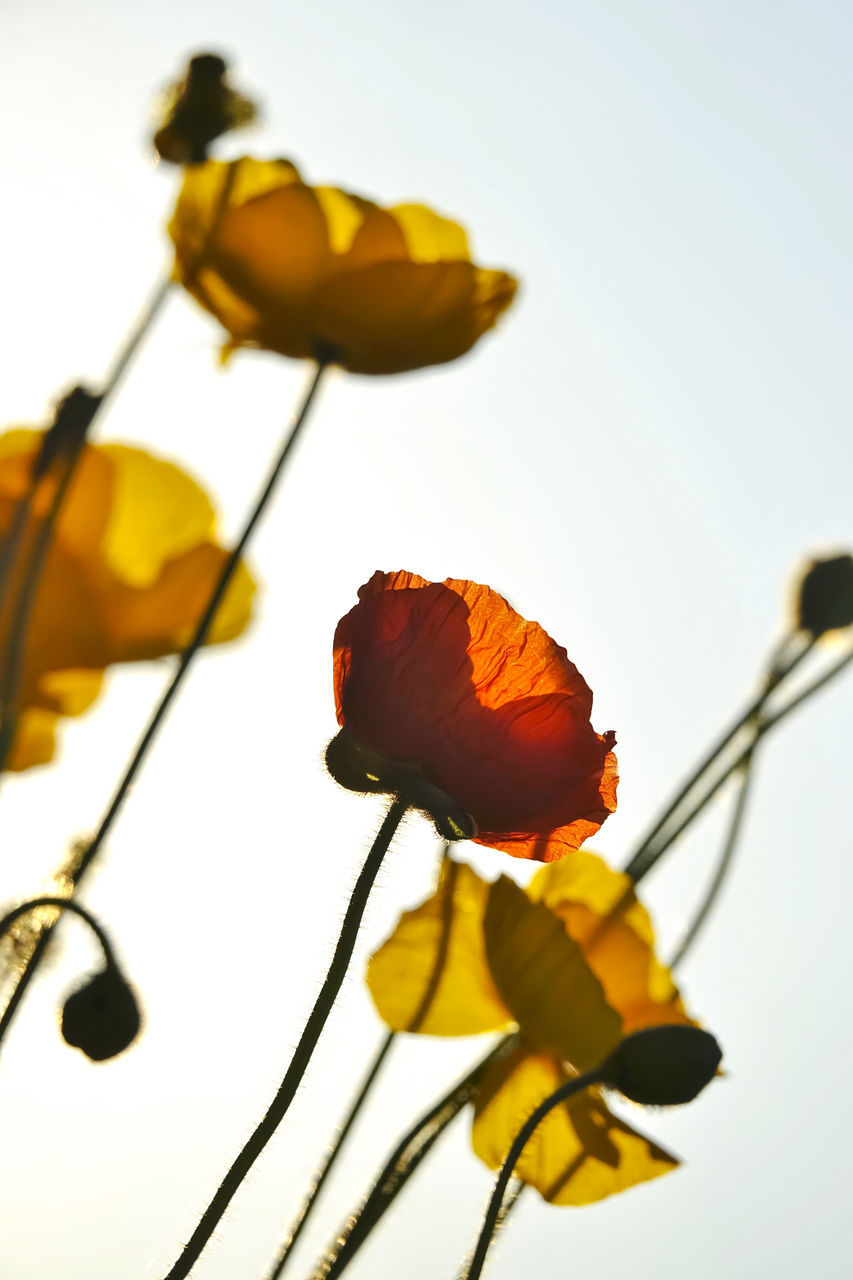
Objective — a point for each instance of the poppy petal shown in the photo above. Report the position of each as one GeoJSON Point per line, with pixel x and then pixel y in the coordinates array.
{"type": "Point", "coordinates": [545, 981]}
{"type": "Point", "coordinates": [447, 677]}
{"type": "Point", "coordinates": [431, 975]}
{"type": "Point", "coordinates": [583, 892]}
{"type": "Point", "coordinates": [299, 269]}
{"type": "Point", "coordinates": [581, 1152]}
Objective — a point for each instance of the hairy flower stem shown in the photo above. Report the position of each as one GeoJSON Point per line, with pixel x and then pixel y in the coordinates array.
{"type": "Point", "coordinates": [61, 904]}
{"type": "Point", "coordinates": [304, 1050]}
{"type": "Point", "coordinates": [417, 1020]}
{"type": "Point", "coordinates": [325, 1168]}
{"type": "Point", "coordinates": [414, 1146]}
{"type": "Point", "coordinates": [493, 1212]}
{"type": "Point", "coordinates": [187, 657]}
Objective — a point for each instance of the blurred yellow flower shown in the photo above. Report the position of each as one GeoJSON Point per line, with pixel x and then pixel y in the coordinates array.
{"type": "Point", "coordinates": [130, 569]}
{"type": "Point", "coordinates": [571, 963]}
{"type": "Point", "coordinates": [315, 271]}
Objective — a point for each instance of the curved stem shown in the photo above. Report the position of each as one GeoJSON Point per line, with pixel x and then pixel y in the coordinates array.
{"type": "Point", "coordinates": [62, 904]}
{"type": "Point", "coordinates": [162, 707]}
{"type": "Point", "coordinates": [328, 1163]}
{"type": "Point", "coordinates": [304, 1050]}
{"type": "Point", "coordinates": [723, 868]}
{"type": "Point", "coordinates": [523, 1136]}
{"type": "Point", "coordinates": [403, 1162]}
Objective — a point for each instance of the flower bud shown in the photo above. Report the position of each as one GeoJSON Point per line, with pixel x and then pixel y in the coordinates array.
{"type": "Point", "coordinates": [826, 595]}
{"type": "Point", "coordinates": [663, 1066]}
{"type": "Point", "coordinates": [102, 1017]}
{"type": "Point", "coordinates": [198, 109]}
{"type": "Point", "coordinates": [360, 768]}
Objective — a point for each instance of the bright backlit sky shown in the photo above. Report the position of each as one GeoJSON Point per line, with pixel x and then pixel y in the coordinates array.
{"type": "Point", "coordinates": [638, 458]}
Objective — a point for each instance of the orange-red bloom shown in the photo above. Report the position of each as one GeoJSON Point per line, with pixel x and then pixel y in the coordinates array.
{"type": "Point", "coordinates": [448, 679]}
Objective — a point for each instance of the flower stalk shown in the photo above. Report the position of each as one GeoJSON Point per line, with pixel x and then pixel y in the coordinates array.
{"type": "Point", "coordinates": [280, 1104]}
{"type": "Point", "coordinates": [186, 660]}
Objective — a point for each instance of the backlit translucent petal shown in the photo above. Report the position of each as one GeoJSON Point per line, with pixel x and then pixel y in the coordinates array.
{"type": "Point", "coordinates": [544, 980]}
{"type": "Point", "coordinates": [431, 975]}
{"type": "Point", "coordinates": [579, 1154]}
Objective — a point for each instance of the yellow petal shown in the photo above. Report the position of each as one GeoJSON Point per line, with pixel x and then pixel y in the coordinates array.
{"type": "Point", "coordinates": [70, 692]}
{"type": "Point", "coordinates": [157, 512]}
{"type": "Point", "coordinates": [600, 911]}
{"type": "Point", "coordinates": [34, 741]}
{"type": "Point", "coordinates": [161, 619]}
{"type": "Point", "coordinates": [429, 237]}
{"type": "Point", "coordinates": [544, 980]}
{"type": "Point", "coordinates": [205, 191]}
{"type": "Point", "coordinates": [431, 975]}
{"type": "Point", "coordinates": [579, 1154]}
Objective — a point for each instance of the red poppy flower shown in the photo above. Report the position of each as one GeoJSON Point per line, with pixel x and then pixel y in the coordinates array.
{"type": "Point", "coordinates": [446, 684]}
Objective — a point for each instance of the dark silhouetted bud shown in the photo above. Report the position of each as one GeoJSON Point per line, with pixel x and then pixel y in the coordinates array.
{"type": "Point", "coordinates": [198, 109]}
{"type": "Point", "coordinates": [356, 767]}
{"type": "Point", "coordinates": [360, 768]}
{"type": "Point", "coordinates": [102, 1017]}
{"type": "Point", "coordinates": [663, 1066]}
{"type": "Point", "coordinates": [66, 433]}
{"type": "Point", "coordinates": [826, 595]}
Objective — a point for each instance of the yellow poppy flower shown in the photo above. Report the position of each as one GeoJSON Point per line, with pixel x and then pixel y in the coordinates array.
{"type": "Point", "coordinates": [315, 271]}
{"type": "Point", "coordinates": [130, 569]}
{"type": "Point", "coordinates": [570, 963]}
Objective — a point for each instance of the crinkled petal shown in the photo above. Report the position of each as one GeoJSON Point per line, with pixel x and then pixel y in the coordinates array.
{"type": "Point", "coordinates": [448, 677]}
{"type": "Point", "coordinates": [431, 975]}
{"type": "Point", "coordinates": [544, 980]}
{"type": "Point", "coordinates": [579, 1154]}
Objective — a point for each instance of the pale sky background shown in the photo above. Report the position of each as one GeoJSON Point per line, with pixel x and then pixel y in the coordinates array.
{"type": "Point", "coordinates": [638, 458]}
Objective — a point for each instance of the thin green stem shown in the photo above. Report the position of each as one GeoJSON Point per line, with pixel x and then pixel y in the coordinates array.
{"type": "Point", "coordinates": [297, 1226]}
{"type": "Point", "coordinates": [61, 904]}
{"type": "Point", "coordinates": [525, 1133]}
{"type": "Point", "coordinates": [11, 539]}
{"type": "Point", "coordinates": [403, 1162]}
{"type": "Point", "coordinates": [186, 659]}
{"type": "Point", "coordinates": [724, 864]}
{"type": "Point", "coordinates": [132, 342]}
{"type": "Point", "coordinates": [331, 1156]}
{"type": "Point", "coordinates": [783, 664]}
{"type": "Point", "coordinates": [304, 1050]}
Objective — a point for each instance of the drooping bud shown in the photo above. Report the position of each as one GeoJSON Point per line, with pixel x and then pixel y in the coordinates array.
{"type": "Point", "coordinates": [102, 1017]}
{"type": "Point", "coordinates": [360, 768]}
{"type": "Point", "coordinates": [662, 1066]}
{"type": "Point", "coordinates": [199, 108]}
{"type": "Point", "coordinates": [826, 595]}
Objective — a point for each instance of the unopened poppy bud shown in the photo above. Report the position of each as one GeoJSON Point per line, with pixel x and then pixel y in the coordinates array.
{"type": "Point", "coordinates": [663, 1066]}
{"type": "Point", "coordinates": [66, 433]}
{"type": "Point", "coordinates": [199, 108]}
{"type": "Point", "coordinates": [356, 767]}
{"type": "Point", "coordinates": [360, 768]}
{"type": "Point", "coordinates": [826, 595]}
{"type": "Point", "coordinates": [102, 1017]}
